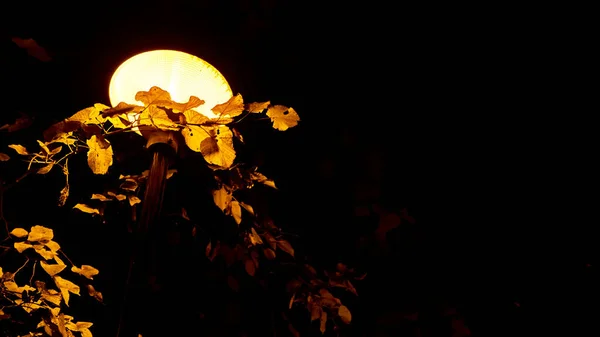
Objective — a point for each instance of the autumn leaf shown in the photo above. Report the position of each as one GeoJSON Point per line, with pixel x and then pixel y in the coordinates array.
{"type": "Point", "coordinates": [247, 208]}
{"type": "Point", "coordinates": [19, 148]}
{"type": "Point", "coordinates": [269, 253]}
{"type": "Point", "coordinates": [100, 154]}
{"type": "Point", "coordinates": [155, 95]}
{"type": "Point", "coordinates": [218, 149]}
{"type": "Point", "coordinates": [232, 108]}
{"type": "Point", "coordinates": [52, 245]}
{"type": "Point", "coordinates": [285, 246]}
{"type": "Point", "coordinates": [194, 117]}
{"type": "Point", "coordinates": [52, 269]}
{"type": "Point", "coordinates": [261, 178]}
{"type": "Point", "coordinates": [19, 232]}
{"type": "Point", "coordinates": [254, 237]}
{"type": "Point", "coordinates": [65, 287]}
{"type": "Point", "coordinates": [21, 246]}
{"type": "Point", "coordinates": [4, 157]}
{"type": "Point", "coordinates": [192, 103]}
{"type": "Point", "coordinates": [283, 117]}
{"type": "Point", "coordinates": [194, 135]}
{"type": "Point", "coordinates": [100, 197]}
{"type": "Point", "coordinates": [87, 209]}
{"type": "Point", "coordinates": [315, 312]}
{"type": "Point", "coordinates": [257, 107]}
{"type": "Point", "coordinates": [40, 234]}
{"type": "Point", "coordinates": [160, 119]}
{"type": "Point", "coordinates": [45, 169]}
{"type": "Point", "coordinates": [133, 200]}
{"type": "Point", "coordinates": [222, 198]}
{"type": "Point", "coordinates": [236, 211]}
{"type": "Point", "coordinates": [85, 270]}
{"type": "Point", "coordinates": [345, 314]}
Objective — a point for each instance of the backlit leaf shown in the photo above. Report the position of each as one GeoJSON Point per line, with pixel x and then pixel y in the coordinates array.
{"type": "Point", "coordinates": [283, 117]}
{"type": "Point", "coordinates": [232, 108]}
{"type": "Point", "coordinates": [52, 269]}
{"type": "Point", "coordinates": [247, 208]}
{"type": "Point", "coordinates": [155, 95]}
{"type": "Point", "coordinates": [87, 209]}
{"type": "Point", "coordinates": [100, 155]}
{"type": "Point", "coordinates": [222, 198]}
{"type": "Point", "coordinates": [236, 211]}
{"type": "Point", "coordinates": [85, 270]}
{"type": "Point", "coordinates": [19, 232]}
{"type": "Point", "coordinates": [194, 117]}
{"type": "Point", "coordinates": [192, 103]}
{"type": "Point", "coordinates": [160, 119]}
{"type": "Point", "coordinates": [194, 135]}
{"type": "Point", "coordinates": [218, 149]}
{"type": "Point", "coordinates": [19, 148]}
{"type": "Point", "coordinates": [21, 246]}
{"type": "Point", "coordinates": [254, 237]}
{"type": "Point", "coordinates": [100, 197]}
{"type": "Point", "coordinates": [40, 233]}
{"type": "Point", "coordinates": [65, 287]}
{"type": "Point", "coordinates": [133, 200]}
{"type": "Point", "coordinates": [45, 169]}
{"type": "Point", "coordinates": [257, 107]}
{"type": "Point", "coordinates": [52, 245]}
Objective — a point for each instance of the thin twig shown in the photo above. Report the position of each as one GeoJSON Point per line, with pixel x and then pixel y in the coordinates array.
{"type": "Point", "coordinates": [21, 267]}
{"type": "Point", "coordinates": [32, 273]}
{"type": "Point", "coordinates": [66, 257]}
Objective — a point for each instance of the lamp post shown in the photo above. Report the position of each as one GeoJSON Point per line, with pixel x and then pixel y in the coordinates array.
{"type": "Point", "coordinates": [182, 75]}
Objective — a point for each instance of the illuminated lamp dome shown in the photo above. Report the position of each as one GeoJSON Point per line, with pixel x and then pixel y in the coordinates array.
{"type": "Point", "coordinates": [181, 74]}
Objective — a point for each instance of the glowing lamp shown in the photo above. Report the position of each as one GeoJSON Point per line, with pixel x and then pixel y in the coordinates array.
{"type": "Point", "coordinates": [181, 74]}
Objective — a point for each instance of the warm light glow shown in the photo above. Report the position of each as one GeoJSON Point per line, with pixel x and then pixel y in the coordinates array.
{"type": "Point", "coordinates": [181, 74]}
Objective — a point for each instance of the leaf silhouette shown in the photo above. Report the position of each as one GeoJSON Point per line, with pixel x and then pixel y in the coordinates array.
{"type": "Point", "coordinates": [282, 117]}
{"type": "Point", "coordinates": [218, 149]}
{"type": "Point", "coordinates": [100, 154]}
{"type": "Point", "coordinates": [257, 107]}
{"type": "Point", "coordinates": [232, 108]}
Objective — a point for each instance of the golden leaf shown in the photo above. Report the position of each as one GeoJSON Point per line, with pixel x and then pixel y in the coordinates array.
{"type": "Point", "coordinates": [133, 200]}
{"type": "Point", "coordinates": [45, 169]}
{"type": "Point", "coordinates": [85, 270]}
{"type": "Point", "coordinates": [52, 245]}
{"type": "Point", "coordinates": [345, 314]}
{"type": "Point", "coordinates": [236, 211]}
{"type": "Point", "coordinates": [247, 208]}
{"type": "Point", "coordinates": [261, 178]}
{"type": "Point", "coordinates": [19, 232]}
{"type": "Point", "coordinates": [155, 95]}
{"type": "Point", "coordinates": [46, 254]}
{"type": "Point", "coordinates": [65, 287]}
{"type": "Point", "coordinates": [285, 246]}
{"type": "Point", "coordinates": [171, 172]}
{"type": "Point", "coordinates": [52, 269]}
{"type": "Point", "coordinates": [100, 197]}
{"type": "Point", "coordinates": [54, 298]}
{"type": "Point", "coordinates": [194, 135]}
{"type": "Point", "coordinates": [19, 148]}
{"type": "Point", "coordinates": [192, 103]}
{"type": "Point", "coordinates": [21, 246]}
{"type": "Point", "coordinates": [160, 119]}
{"type": "Point", "coordinates": [218, 149]}
{"type": "Point", "coordinates": [254, 237]}
{"type": "Point", "coordinates": [40, 233]}
{"type": "Point", "coordinates": [193, 117]}
{"type": "Point", "coordinates": [100, 154]}
{"type": "Point", "coordinates": [323, 324]}
{"type": "Point", "coordinates": [4, 157]}
{"type": "Point", "coordinates": [64, 195]}
{"type": "Point", "coordinates": [222, 198]}
{"type": "Point", "coordinates": [257, 107]}
{"type": "Point", "coordinates": [87, 209]}
{"type": "Point", "coordinates": [282, 117]}
{"type": "Point", "coordinates": [250, 267]}
{"type": "Point", "coordinates": [43, 147]}
{"type": "Point", "coordinates": [232, 108]}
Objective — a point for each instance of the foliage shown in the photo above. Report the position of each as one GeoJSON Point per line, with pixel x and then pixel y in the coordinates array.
{"type": "Point", "coordinates": [215, 139]}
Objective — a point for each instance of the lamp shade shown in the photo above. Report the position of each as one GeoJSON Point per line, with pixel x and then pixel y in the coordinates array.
{"type": "Point", "coordinates": [181, 74]}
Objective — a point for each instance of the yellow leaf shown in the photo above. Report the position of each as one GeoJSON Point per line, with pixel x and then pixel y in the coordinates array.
{"type": "Point", "coordinates": [100, 197]}
{"type": "Point", "coordinates": [222, 198]}
{"type": "Point", "coordinates": [46, 254]}
{"type": "Point", "coordinates": [323, 325]}
{"type": "Point", "coordinates": [155, 95]}
{"type": "Point", "coordinates": [254, 237]}
{"type": "Point", "coordinates": [233, 107]}
{"type": "Point", "coordinates": [4, 157]}
{"type": "Point", "coordinates": [285, 246]}
{"type": "Point", "coordinates": [345, 314]}
{"type": "Point", "coordinates": [87, 209]}
{"type": "Point", "coordinates": [218, 149]}
{"type": "Point", "coordinates": [55, 150]}
{"type": "Point", "coordinates": [133, 200]}
{"type": "Point", "coordinates": [247, 208]}
{"type": "Point", "coordinates": [52, 245]}
{"type": "Point", "coordinates": [160, 119]}
{"type": "Point", "coordinates": [257, 107]}
{"type": "Point", "coordinates": [52, 269]}
{"type": "Point", "coordinates": [43, 147]}
{"type": "Point", "coordinates": [100, 154]}
{"type": "Point", "coordinates": [19, 232]}
{"type": "Point", "coordinates": [236, 211]}
{"type": "Point", "coordinates": [171, 172]}
{"type": "Point", "coordinates": [282, 117]}
{"type": "Point", "coordinates": [64, 138]}
{"type": "Point", "coordinates": [84, 325]}
{"type": "Point", "coordinates": [192, 103]}
{"type": "Point", "coordinates": [19, 148]}
{"type": "Point", "coordinates": [194, 135]}
{"type": "Point", "coordinates": [45, 169]}
{"type": "Point", "coordinates": [65, 287]}
{"type": "Point", "coordinates": [85, 270]}
{"type": "Point", "coordinates": [40, 233]}
{"type": "Point", "coordinates": [54, 298]}
{"type": "Point", "coordinates": [194, 117]}
{"type": "Point", "coordinates": [21, 246]}
{"type": "Point", "coordinates": [119, 197]}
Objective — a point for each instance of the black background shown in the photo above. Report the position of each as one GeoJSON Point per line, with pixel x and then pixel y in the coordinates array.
{"type": "Point", "coordinates": [441, 102]}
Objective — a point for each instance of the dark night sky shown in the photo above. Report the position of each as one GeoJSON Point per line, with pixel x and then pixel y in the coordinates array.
{"type": "Point", "coordinates": [425, 95]}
